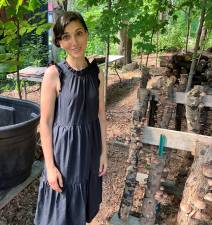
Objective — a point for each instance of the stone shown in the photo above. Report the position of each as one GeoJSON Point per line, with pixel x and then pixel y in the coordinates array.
{"type": "Point", "coordinates": [115, 220]}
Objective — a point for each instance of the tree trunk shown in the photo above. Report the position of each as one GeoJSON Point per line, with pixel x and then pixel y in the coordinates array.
{"type": "Point", "coordinates": [157, 49]}
{"type": "Point", "coordinates": [18, 58]}
{"type": "Point", "coordinates": [194, 57]}
{"type": "Point", "coordinates": [107, 60]}
{"type": "Point", "coordinates": [153, 31]}
{"type": "Point", "coordinates": [54, 51]}
{"type": "Point", "coordinates": [147, 58]}
{"type": "Point", "coordinates": [125, 47]}
{"type": "Point", "coordinates": [203, 36]}
{"type": "Point", "coordinates": [188, 28]}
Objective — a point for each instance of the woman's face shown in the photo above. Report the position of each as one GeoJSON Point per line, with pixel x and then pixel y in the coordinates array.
{"type": "Point", "coordinates": [74, 40]}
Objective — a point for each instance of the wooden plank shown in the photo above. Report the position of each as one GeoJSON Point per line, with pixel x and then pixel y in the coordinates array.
{"type": "Point", "coordinates": [34, 79]}
{"type": "Point", "coordinates": [112, 58]}
{"type": "Point", "coordinates": [31, 71]}
{"type": "Point", "coordinates": [180, 98]}
{"type": "Point", "coordinates": [174, 139]}
{"type": "Point", "coordinates": [7, 195]}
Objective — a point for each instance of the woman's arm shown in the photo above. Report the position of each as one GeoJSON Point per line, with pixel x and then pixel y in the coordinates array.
{"type": "Point", "coordinates": [49, 90]}
{"type": "Point", "coordinates": [102, 118]}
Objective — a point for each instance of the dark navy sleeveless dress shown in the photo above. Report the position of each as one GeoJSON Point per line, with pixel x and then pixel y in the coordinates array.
{"type": "Point", "coordinates": [77, 147]}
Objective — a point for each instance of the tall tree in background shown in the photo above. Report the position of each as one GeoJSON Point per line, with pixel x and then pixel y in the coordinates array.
{"type": "Point", "coordinates": [125, 46]}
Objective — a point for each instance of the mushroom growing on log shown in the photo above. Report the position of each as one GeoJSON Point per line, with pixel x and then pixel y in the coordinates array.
{"type": "Point", "coordinates": [209, 182]}
{"type": "Point", "coordinates": [200, 216]}
{"type": "Point", "coordinates": [208, 197]}
{"type": "Point", "coordinates": [199, 204]}
{"type": "Point", "coordinates": [207, 170]}
{"type": "Point", "coordinates": [196, 187]}
{"type": "Point", "coordinates": [185, 207]}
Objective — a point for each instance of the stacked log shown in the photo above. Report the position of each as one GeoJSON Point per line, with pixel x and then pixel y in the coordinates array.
{"type": "Point", "coordinates": [196, 200]}
{"type": "Point", "coordinates": [195, 206]}
{"type": "Point", "coordinates": [154, 192]}
{"type": "Point", "coordinates": [208, 73]}
{"type": "Point", "coordinates": [138, 119]}
{"type": "Point", "coordinates": [180, 63]}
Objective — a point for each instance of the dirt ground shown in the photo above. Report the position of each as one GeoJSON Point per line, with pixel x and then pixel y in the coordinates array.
{"type": "Point", "coordinates": [120, 102]}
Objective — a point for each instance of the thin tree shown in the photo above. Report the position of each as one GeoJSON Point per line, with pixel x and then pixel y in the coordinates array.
{"type": "Point", "coordinates": [188, 13]}
{"type": "Point", "coordinates": [194, 57]}
{"type": "Point", "coordinates": [107, 57]}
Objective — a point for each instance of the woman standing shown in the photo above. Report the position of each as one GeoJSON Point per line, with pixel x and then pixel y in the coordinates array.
{"type": "Point", "coordinates": [72, 128]}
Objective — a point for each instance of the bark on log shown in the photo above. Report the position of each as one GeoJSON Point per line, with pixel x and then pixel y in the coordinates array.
{"type": "Point", "coordinates": [194, 106]}
{"type": "Point", "coordinates": [148, 212]}
{"type": "Point", "coordinates": [139, 114]}
{"type": "Point", "coordinates": [196, 188]}
{"type": "Point", "coordinates": [180, 109]}
{"type": "Point", "coordinates": [144, 77]}
{"type": "Point", "coordinates": [196, 184]}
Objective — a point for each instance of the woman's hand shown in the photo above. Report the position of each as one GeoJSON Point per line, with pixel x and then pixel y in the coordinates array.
{"type": "Point", "coordinates": [55, 179]}
{"type": "Point", "coordinates": [103, 164]}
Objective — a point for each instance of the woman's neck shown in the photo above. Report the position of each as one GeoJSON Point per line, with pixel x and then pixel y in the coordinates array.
{"type": "Point", "coordinates": [77, 63]}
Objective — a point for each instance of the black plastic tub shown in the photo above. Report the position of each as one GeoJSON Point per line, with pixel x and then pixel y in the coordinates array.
{"type": "Point", "coordinates": [18, 128]}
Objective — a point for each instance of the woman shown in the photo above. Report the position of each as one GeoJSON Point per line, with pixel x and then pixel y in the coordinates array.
{"type": "Point", "coordinates": [72, 128]}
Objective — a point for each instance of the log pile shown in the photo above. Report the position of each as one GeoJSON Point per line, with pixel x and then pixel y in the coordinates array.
{"type": "Point", "coordinates": [138, 119]}
{"type": "Point", "coordinates": [196, 205]}
{"type": "Point", "coordinates": [154, 192]}
{"type": "Point", "coordinates": [196, 200]}
{"type": "Point", "coordinates": [180, 63]}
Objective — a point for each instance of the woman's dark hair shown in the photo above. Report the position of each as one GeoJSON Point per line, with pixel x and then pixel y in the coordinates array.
{"type": "Point", "coordinates": [62, 21]}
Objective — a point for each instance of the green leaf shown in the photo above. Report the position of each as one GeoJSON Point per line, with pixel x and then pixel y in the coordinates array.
{"type": "Point", "coordinates": [19, 3]}
{"type": "Point", "coordinates": [43, 28]}
{"type": "Point", "coordinates": [3, 3]}
{"type": "Point", "coordinates": [174, 17]}
{"type": "Point", "coordinates": [5, 56]}
{"type": "Point", "coordinates": [33, 4]}
{"type": "Point", "coordinates": [8, 67]}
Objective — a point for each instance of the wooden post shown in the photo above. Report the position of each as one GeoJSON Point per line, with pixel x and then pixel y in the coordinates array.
{"type": "Point", "coordinates": [194, 104]}
{"type": "Point", "coordinates": [144, 76]}
{"type": "Point", "coordinates": [139, 114]}
{"type": "Point", "coordinates": [196, 186]}
{"type": "Point", "coordinates": [166, 105]}
{"type": "Point", "coordinates": [193, 207]}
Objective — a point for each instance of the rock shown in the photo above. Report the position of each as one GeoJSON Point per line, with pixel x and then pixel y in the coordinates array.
{"type": "Point", "coordinates": [130, 67]}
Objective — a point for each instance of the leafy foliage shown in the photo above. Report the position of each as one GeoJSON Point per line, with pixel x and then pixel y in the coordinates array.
{"type": "Point", "coordinates": [18, 21]}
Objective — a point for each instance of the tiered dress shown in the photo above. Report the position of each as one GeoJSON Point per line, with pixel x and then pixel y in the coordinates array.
{"type": "Point", "coordinates": [76, 136]}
